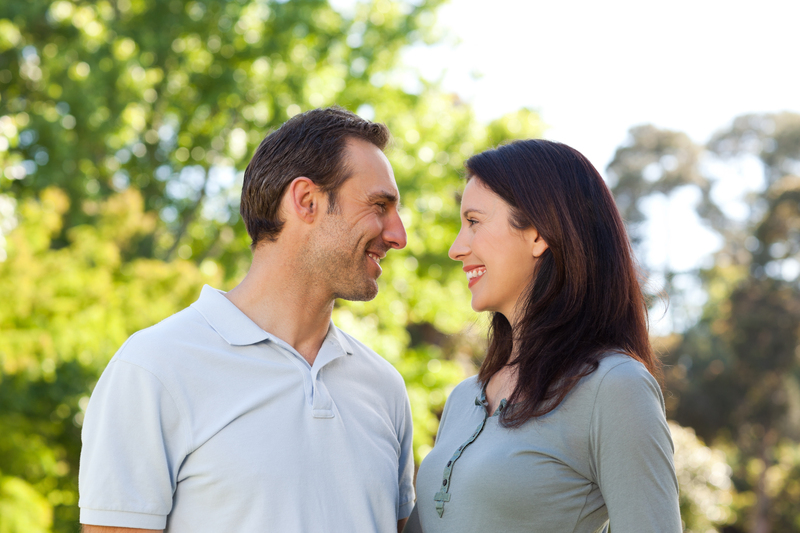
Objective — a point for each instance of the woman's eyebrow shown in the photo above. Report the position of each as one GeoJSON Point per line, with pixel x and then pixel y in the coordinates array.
{"type": "Point", "coordinates": [469, 210]}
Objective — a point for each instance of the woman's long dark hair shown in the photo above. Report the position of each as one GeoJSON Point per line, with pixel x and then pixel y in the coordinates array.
{"type": "Point", "coordinates": [585, 297]}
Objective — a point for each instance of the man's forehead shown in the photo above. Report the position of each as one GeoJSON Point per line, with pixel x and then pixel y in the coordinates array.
{"type": "Point", "coordinates": [370, 171]}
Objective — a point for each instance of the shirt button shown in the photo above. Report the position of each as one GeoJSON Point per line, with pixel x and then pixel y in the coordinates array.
{"type": "Point", "coordinates": [444, 482]}
{"type": "Point", "coordinates": [449, 463]}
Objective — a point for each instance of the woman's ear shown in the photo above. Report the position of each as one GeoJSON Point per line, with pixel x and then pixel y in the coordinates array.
{"type": "Point", "coordinates": [302, 199]}
{"type": "Point", "coordinates": [538, 245]}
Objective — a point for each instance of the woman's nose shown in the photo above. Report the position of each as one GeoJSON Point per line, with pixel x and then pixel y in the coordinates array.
{"type": "Point", "coordinates": [458, 249]}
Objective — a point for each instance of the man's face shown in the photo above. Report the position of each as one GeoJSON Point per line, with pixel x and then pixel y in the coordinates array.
{"type": "Point", "coordinates": [346, 247]}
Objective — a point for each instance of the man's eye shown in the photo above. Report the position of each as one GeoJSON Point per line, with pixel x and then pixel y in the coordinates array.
{"type": "Point", "coordinates": [381, 206]}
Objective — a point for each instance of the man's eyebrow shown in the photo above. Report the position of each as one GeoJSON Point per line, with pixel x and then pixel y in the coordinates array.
{"type": "Point", "coordinates": [386, 196]}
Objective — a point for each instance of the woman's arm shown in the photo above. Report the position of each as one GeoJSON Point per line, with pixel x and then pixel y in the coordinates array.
{"type": "Point", "coordinates": [631, 451]}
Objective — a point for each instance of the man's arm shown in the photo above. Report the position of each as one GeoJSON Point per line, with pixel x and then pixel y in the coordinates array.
{"type": "Point", "coordinates": [133, 443]}
{"type": "Point", "coordinates": [111, 529]}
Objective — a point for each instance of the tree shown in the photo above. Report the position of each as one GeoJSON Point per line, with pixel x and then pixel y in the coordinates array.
{"type": "Point", "coordinates": [734, 374]}
{"type": "Point", "coordinates": [125, 127]}
{"type": "Point", "coordinates": [705, 480]}
{"type": "Point", "coordinates": [170, 97]}
{"type": "Point", "coordinates": [66, 311]}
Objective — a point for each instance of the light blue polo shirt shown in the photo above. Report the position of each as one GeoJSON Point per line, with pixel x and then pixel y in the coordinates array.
{"type": "Point", "coordinates": [207, 423]}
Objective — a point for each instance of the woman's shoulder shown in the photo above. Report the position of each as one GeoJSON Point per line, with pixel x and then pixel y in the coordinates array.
{"type": "Point", "coordinates": [468, 388]}
{"type": "Point", "coordinates": [462, 398]}
{"type": "Point", "coordinates": [621, 378]}
{"type": "Point", "coordinates": [619, 366]}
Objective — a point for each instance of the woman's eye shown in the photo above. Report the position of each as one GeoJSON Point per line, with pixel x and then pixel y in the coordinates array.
{"type": "Point", "coordinates": [472, 221]}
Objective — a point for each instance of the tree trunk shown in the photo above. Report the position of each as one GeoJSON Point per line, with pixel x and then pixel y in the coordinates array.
{"type": "Point", "coordinates": [761, 519]}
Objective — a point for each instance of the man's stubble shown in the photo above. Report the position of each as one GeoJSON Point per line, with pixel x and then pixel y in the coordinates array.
{"type": "Point", "coordinates": [336, 256]}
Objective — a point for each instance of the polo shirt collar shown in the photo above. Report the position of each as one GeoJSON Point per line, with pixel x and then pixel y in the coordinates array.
{"type": "Point", "coordinates": [238, 330]}
{"type": "Point", "coordinates": [227, 319]}
{"type": "Point", "coordinates": [340, 338]}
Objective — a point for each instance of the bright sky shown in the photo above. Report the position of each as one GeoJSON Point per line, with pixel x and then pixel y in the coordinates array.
{"type": "Point", "coordinates": [595, 68]}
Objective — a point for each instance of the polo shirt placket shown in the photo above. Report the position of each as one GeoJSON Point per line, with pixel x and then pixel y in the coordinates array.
{"type": "Point", "coordinates": [317, 395]}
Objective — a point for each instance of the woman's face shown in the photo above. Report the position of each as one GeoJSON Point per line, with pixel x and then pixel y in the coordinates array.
{"type": "Point", "coordinates": [498, 258]}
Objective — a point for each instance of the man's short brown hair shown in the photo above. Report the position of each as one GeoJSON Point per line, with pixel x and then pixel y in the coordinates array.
{"type": "Point", "coordinates": [311, 144]}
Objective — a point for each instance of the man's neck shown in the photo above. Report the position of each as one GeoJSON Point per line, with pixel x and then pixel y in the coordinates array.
{"type": "Point", "coordinates": [276, 295]}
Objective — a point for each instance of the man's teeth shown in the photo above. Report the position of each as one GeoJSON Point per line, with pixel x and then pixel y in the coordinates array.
{"type": "Point", "coordinates": [478, 272]}
{"type": "Point", "coordinates": [374, 257]}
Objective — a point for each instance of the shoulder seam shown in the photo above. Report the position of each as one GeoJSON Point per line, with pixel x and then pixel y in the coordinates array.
{"type": "Point", "coordinates": [184, 415]}
{"type": "Point", "coordinates": [125, 344]}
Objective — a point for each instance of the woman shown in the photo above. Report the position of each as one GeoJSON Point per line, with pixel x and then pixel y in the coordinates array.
{"type": "Point", "coordinates": [563, 429]}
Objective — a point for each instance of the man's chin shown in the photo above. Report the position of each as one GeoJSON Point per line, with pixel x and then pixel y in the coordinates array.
{"type": "Point", "coordinates": [364, 293]}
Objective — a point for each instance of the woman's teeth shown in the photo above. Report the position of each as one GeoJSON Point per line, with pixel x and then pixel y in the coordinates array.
{"type": "Point", "coordinates": [478, 272]}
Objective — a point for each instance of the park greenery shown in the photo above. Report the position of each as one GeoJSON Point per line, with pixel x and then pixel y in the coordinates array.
{"type": "Point", "coordinates": [125, 126]}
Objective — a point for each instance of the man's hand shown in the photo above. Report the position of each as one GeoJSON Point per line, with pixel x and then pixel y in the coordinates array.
{"type": "Point", "coordinates": [112, 529]}
{"type": "Point", "coordinates": [401, 524]}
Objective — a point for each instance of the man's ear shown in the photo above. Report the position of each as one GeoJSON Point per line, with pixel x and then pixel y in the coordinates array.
{"type": "Point", "coordinates": [302, 199]}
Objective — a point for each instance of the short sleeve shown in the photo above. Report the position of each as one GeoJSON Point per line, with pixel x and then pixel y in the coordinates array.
{"type": "Point", "coordinates": [134, 441]}
{"type": "Point", "coordinates": [632, 452]}
{"type": "Point", "coordinates": [406, 463]}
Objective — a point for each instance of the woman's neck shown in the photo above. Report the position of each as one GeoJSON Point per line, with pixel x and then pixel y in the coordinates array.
{"type": "Point", "coordinates": [500, 387]}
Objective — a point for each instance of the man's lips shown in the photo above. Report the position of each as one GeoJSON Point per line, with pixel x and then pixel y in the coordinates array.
{"type": "Point", "coordinates": [376, 257]}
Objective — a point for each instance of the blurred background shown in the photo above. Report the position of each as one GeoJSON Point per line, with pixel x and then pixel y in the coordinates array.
{"type": "Point", "coordinates": [125, 127]}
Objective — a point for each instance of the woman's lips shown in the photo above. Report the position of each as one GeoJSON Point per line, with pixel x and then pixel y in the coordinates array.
{"type": "Point", "coordinates": [474, 274]}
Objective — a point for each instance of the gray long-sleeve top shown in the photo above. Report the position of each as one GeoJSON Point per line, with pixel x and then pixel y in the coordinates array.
{"type": "Point", "coordinates": [605, 453]}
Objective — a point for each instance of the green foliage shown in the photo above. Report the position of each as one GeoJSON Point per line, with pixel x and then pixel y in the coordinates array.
{"type": "Point", "coordinates": [783, 487]}
{"type": "Point", "coordinates": [779, 480]}
{"type": "Point", "coordinates": [22, 508]}
{"type": "Point", "coordinates": [169, 97]}
{"type": "Point", "coordinates": [707, 494]}
{"type": "Point", "coordinates": [125, 127]}
{"type": "Point", "coordinates": [65, 312]}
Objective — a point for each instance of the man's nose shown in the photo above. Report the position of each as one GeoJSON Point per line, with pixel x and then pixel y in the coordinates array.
{"type": "Point", "coordinates": [394, 234]}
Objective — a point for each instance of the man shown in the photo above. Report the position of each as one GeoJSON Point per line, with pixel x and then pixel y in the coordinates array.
{"type": "Point", "coordinates": [249, 410]}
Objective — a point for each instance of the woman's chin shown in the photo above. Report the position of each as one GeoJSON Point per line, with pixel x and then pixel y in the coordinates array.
{"type": "Point", "coordinates": [476, 306]}
{"type": "Point", "coordinates": [481, 307]}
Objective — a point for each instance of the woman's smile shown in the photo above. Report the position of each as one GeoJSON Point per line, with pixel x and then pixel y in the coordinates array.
{"type": "Point", "coordinates": [474, 273]}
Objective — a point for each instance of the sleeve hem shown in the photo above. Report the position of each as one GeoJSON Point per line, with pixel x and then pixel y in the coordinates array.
{"type": "Point", "coordinates": [405, 510]}
{"type": "Point", "coordinates": [100, 517]}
